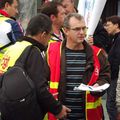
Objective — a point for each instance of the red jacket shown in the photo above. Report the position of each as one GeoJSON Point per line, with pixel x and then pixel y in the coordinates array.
{"type": "Point", "coordinates": [93, 103]}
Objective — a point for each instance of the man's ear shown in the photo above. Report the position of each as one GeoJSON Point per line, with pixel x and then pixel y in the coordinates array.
{"type": "Point", "coordinates": [52, 17]}
{"type": "Point", "coordinates": [6, 5]}
{"type": "Point", "coordinates": [117, 26]}
{"type": "Point", "coordinates": [66, 31]}
{"type": "Point", "coordinates": [43, 35]}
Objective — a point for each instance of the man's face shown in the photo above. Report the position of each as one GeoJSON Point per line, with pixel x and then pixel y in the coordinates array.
{"type": "Point", "coordinates": [76, 31]}
{"type": "Point", "coordinates": [111, 28]}
{"type": "Point", "coordinates": [61, 15]}
{"type": "Point", "coordinates": [12, 9]}
{"type": "Point", "coordinates": [68, 6]}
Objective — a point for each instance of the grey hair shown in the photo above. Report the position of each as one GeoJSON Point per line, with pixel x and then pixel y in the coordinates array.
{"type": "Point", "coordinates": [69, 16]}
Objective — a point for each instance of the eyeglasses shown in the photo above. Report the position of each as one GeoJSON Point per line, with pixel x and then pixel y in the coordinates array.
{"type": "Point", "coordinates": [107, 25]}
{"type": "Point", "coordinates": [77, 29]}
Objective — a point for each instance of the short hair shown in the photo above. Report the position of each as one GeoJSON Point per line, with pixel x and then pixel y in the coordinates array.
{"type": "Point", "coordinates": [50, 8]}
{"type": "Point", "coordinates": [2, 3]}
{"type": "Point", "coordinates": [69, 16]}
{"type": "Point", "coordinates": [39, 24]}
{"type": "Point", "coordinates": [114, 19]}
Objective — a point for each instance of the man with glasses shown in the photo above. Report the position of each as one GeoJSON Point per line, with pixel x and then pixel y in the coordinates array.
{"type": "Point", "coordinates": [72, 62]}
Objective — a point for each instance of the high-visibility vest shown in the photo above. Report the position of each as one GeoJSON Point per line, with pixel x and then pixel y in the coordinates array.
{"type": "Point", "coordinates": [53, 40]}
{"type": "Point", "coordinates": [2, 17]}
{"type": "Point", "coordinates": [53, 36]}
{"type": "Point", "coordinates": [12, 54]}
{"type": "Point", "coordinates": [93, 108]}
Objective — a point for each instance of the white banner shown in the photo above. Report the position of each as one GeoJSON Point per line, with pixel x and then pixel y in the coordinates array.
{"type": "Point", "coordinates": [95, 17]}
{"type": "Point", "coordinates": [91, 10]}
{"type": "Point", "coordinates": [85, 8]}
{"type": "Point", "coordinates": [47, 1]}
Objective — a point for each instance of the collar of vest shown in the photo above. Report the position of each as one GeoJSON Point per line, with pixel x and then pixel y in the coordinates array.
{"type": "Point", "coordinates": [4, 13]}
{"type": "Point", "coordinates": [35, 43]}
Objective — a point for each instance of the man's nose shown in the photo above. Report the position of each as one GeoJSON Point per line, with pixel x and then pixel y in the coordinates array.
{"type": "Point", "coordinates": [17, 12]}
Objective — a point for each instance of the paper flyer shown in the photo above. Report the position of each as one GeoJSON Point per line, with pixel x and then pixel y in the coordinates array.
{"type": "Point", "coordinates": [84, 87]}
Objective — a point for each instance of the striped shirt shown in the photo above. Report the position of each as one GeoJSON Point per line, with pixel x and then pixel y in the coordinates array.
{"type": "Point", "coordinates": [75, 68]}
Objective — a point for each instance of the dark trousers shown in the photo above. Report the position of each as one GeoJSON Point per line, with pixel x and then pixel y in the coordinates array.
{"type": "Point", "coordinates": [111, 100]}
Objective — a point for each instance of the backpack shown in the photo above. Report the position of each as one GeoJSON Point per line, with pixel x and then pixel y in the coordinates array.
{"type": "Point", "coordinates": [18, 99]}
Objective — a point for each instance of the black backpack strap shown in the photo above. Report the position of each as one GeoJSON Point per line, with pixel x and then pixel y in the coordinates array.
{"type": "Point", "coordinates": [5, 46]}
{"type": "Point", "coordinates": [22, 60]}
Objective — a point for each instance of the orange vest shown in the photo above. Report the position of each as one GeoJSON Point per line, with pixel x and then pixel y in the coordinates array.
{"type": "Point", "coordinates": [93, 104]}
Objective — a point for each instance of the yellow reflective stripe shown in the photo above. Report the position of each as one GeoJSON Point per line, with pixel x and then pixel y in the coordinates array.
{"type": "Point", "coordinates": [47, 55]}
{"type": "Point", "coordinates": [98, 52]}
{"type": "Point", "coordinates": [54, 85]}
{"type": "Point", "coordinates": [61, 48]}
{"type": "Point", "coordinates": [46, 117]}
{"type": "Point", "coordinates": [51, 41]}
{"type": "Point", "coordinates": [2, 51]}
{"type": "Point", "coordinates": [92, 105]}
{"type": "Point", "coordinates": [2, 18]}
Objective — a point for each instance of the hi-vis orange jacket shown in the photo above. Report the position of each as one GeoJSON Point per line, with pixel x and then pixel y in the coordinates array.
{"type": "Point", "coordinates": [93, 104]}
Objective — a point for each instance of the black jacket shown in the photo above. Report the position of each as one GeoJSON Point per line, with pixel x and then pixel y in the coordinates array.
{"type": "Point", "coordinates": [101, 38]}
{"type": "Point", "coordinates": [36, 69]}
{"type": "Point", "coordinates": [114, 56]}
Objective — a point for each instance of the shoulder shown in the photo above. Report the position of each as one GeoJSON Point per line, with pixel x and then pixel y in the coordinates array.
{"type": "Point", "coordinates": [13, 23]}
{"type": "Point", "coordinates": [36, 53]}
{"type": "Point", "coordinates": [117, 37]}
{"type": "Point", "coordinates": [35, 58]}
{"type": "Point", "coordinates": [101, 54]}
{"type": "Point", "coordinates": [99, 51]}
{"type": "Point", "coordinates": [54, 45]}
{"type": "Point", "coordinates": [95, 49]}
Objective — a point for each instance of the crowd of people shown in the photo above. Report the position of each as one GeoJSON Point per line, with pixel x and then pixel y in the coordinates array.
{"type": "Point", "coordinates": [62, 59]}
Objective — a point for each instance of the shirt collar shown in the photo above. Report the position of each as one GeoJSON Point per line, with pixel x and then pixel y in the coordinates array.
{"type": "Point", "coordinates": [35, 43]}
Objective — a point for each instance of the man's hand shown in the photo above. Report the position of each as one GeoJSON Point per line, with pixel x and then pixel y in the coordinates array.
{"type": "Point", "coordinates": [96, 85]}
{"type": "Point", "coordinates": [90, 40]}
{"type": "Point", "coordinates": [63, 112]}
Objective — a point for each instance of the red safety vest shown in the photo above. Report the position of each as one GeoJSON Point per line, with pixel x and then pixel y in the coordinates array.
{"type": "Point", "coordinates": [93, 104]}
